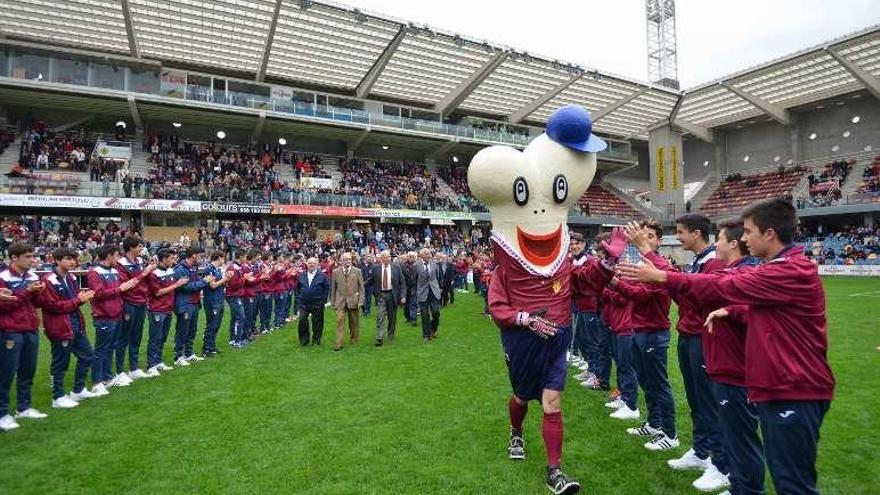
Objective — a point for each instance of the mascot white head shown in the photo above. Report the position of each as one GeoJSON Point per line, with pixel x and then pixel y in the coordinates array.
{"type": "Point", "coordinates": [529, 193]}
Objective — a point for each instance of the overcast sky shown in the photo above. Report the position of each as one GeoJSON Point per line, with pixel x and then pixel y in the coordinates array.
{"type": "Point", "coordinates": [714, 38]}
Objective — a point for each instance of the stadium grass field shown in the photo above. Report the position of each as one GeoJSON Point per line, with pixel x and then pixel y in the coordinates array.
{"type": "Point", "coordinates": [404, 418]}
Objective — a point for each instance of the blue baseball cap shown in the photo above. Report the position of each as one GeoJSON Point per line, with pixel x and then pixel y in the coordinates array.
{"type": "Point", "coordinates": [572, 127]}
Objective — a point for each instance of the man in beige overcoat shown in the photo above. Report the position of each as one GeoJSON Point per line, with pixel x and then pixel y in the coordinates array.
{"type": "Point", "coordinates": [347, 297]}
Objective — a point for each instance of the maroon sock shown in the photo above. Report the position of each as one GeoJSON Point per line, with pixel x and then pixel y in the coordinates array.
{"type": "Point", "coordinates": [551, 430]}
{"type": "Point", "coordinates": [517, 413]}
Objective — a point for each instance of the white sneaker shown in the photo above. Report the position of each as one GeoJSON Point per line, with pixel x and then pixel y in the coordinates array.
{"type": "Point", "coordinates": [82, 395]}
{"type": "Point", "coordinates": [30, 413]}
{"type": "Point", "coordinates": [583, 375]}
{"type": "Point", "coordinates": [725, 492]}
{"type": "Point", "coordinates": [625, 413]}
{"type": "Point", "coordinates": [689, 461]}
{"type": "Point", "coordinates": [615, 404]}
{"type": "Point", "coordinates": [591, 381]}
{"type": "Point", "coordinates": [152, 372]}
{"type": "Point", "coordinates": [712, 480]}
{"type": "Point", "coordinates": [118, 381]}
{"type": "Point", "coordinates": [137, 374]}
{"type": "Point", "coordinates": [645, 430]}
{"type": "Point", "coordinates": [127, 379]}
{"type": "Point", "coordinates": [181, 361]}
{"type": "Point", "coordinates": [100, 390]}
{"type": "Point", "coordinates": [164, 367]}
{"type": "Point", "coordinates": [64, 402]}
{"type": "Point", "coordinates": [662, 442]}
{"type": "Point", "coordinates": [583, 366]}
{"type": "Point", "coordinates": [193, 358]}
{"type": "Point", "coordinates": [8, 423]}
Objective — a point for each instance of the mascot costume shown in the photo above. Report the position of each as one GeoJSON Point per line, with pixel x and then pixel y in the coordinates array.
{"type": "Point", "coordinates": [529, 195]}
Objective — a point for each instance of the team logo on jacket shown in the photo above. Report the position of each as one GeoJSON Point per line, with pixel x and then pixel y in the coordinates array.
{"type": "Point", "coordinates": [557, 286]}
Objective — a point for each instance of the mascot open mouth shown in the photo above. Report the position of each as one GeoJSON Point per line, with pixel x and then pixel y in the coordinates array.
{"type": "Point", "coordinates": [540, 249]}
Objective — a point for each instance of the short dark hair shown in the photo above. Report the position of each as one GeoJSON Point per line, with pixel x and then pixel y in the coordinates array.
{"type": "Point", "coordinates": [190, 252]}
{"type": "Point", "coordinates": [241, 253]}
{"type": "Point", "coordinates": [655, 226]}
{"type": "Point", "coordinates": [106, 250]}
{"type": "Point", "coordinates": [777, 214]}
{"type": "Point", "coordinates": [20, 248]}
{"type": "Point", "coordinates": [216, 255]}
{"type": "Point", "coordinates": [694, 222]}
{"type": "Point", "coordinates": [131, 242]}
{"type": "Point", "coordinates": [62, 252]}
{"type": "Point", "coordinates": [733, 230]}
{"type": "Point", "coordinates": [266, 256]}
{"type": "Point", "coordinates": [252, 254]}
{"type": "Point", "coordinates": [163, 254]}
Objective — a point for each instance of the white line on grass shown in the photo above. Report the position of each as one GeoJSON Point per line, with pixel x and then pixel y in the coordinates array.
{"type": "Point", "coordinates": [871, 293]}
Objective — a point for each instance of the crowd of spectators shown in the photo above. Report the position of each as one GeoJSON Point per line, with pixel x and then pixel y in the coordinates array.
{"type": "Point", "coordinates": [871, 178]}
{"type": "Point", "coordinates": [392, 184]}
{"type": "Point", "coordinates": [846, 246]}
{"type": "Point", "coordinates": [42, 149]}
{"type": "Point", "coordinates": [456, 177]}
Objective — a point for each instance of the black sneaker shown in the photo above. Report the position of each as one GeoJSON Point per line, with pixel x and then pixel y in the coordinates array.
{"type": "Point", "coordinates": [559, 483]}
{"type": "Point", "coordinates": [516, 449]}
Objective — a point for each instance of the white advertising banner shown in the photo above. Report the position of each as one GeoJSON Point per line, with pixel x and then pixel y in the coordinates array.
{"type": "Point", "coordinates": [850, 270]}
{"type": "Point", "coordinates": [317, 182]}
{"type": "Point", "coordinates": [41, 201]}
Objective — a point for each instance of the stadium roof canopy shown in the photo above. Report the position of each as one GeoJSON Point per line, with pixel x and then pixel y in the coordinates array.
{"type": "Point", "coordinates": [837, 67]}
{"type": "Point", "coordinates": [352, 52]}
{"type": "Point", "coordinates": [345, 50]}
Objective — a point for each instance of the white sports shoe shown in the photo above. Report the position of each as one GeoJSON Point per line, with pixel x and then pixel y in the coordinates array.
{"type": "Point", "coordinates": [100, 390]}
{"type": "Point", "coordinates": [662, 442]}
{"type": "Point", "coordinates": [152, 372]}
{"type": "Point", "coordinates": [127, 379]}
{"type": "Point", "coordinates": [119, 381]}
{"type": "Point", "coordinates": [64, 402]}
{"type": "Point", "coordinates": [164, 367]}
{"type": "Point", "coordinates": [712, 480]}
{"type": "Point", "coordinates": [615, 404]}
{"type": "Point", "coordinates": [137, 374]}
{"type": "Point", "coordinates": [645, 430]}
{"type": "Point", "coordinates": [591, 381]}
{"type": "Point", "coordinates": [8, 423]}
{"type": "Point", "coordinates": [583, 366]}
{"type": "Point", "coordinates": [625, 413]}
{"type": "Point", "coordinates": [725, 492]}
{"type": "Point", "coordinates": [82, 395]}
{"type": "Point", "coordinates": [30, 413]}
{"type": "Point", "coordinates": [193, 358]}
{"type": "Point", "coordinates": [181, 361]}
{"type": "Point", "coordinates": [583, 375]}
{"type": "Point", "coordinates": [689, 461]}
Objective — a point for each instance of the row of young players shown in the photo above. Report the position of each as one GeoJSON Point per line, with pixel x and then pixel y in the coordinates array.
{"type": "Point", "coordinates": [729, 395]}
{"type": "Point", "coordinates": [123, 292]}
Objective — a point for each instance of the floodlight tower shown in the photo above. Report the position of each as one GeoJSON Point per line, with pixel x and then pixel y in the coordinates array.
{"type": "Point", "coordinates": [662, 54]}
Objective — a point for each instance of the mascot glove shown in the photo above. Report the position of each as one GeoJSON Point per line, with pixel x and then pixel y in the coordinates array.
{"type": "Point", "coordinates": [617, 245]}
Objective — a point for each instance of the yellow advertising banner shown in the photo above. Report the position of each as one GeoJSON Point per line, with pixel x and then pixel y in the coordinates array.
{"type": "Point", "coordinates": [661, 169]}
{"type": "Point", "coordinates": [676, 181]}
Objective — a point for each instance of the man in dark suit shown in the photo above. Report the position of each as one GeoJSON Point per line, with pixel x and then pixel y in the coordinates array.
{"type": "Point", "coordinates": [312, 290]}
{"type": "Point", "coordinates": [428, 291]}
{"type": "Point", "coordinates": [366, 266]}
{"type": "Point", "coordinates": [411, 277]}
{"type": "Point", "coordinates": [390, 291]}
{"type": "Point", "coordinates": [447, 275]}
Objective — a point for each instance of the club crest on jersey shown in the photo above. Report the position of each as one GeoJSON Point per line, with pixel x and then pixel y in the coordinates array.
{"type": "Point", "coordinates": [557, 286]}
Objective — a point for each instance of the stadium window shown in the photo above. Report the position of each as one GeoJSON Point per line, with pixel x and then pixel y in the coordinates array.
{"type": "Point", "coordinates": [70, 71]}
{"type": "Point", "coordinates": [391, 111]}
{"type": "Point", "coordinates": [345, 103]}
{"type": "Point", "coordinates": [107, 76]}
{"type": "Point", "coordinates": [812, 136]}
{"type": "Point", "coordinates": [143, 81]}
{"type": "Point", "coordinates": [4, 63]}
{"type": "Point", "coordinates": [856, 119]}
{"type": "Point", "coordinates": [28, 66]}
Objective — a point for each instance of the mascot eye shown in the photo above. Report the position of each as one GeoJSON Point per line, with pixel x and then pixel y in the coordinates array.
{"type": "Point", "coordinates": [520, 191]}
{"type": "Point", "coordinates": [560, 188]}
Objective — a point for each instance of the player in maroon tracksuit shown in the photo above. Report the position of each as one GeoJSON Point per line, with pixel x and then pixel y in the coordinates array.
{"type": "Point", "coordinates": [616, 312]}
{"type": "Point", "coordinates": [786, 365]}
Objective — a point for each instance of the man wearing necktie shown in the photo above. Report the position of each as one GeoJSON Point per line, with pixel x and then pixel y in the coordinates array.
{"type": "Point", "coordinates": [390, 291]}
{"type": "Point", "coordinates": [347, 297]}
{"type": "Point", "coordinates": [428, 290]}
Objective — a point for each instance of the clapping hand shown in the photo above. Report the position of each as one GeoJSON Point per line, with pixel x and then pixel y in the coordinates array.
{"type": "Point", "coordinates": [85, 296]}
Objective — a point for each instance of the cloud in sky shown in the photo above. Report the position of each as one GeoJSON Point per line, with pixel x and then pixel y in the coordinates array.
{"type": "Point", "coordinates": [714, 38]}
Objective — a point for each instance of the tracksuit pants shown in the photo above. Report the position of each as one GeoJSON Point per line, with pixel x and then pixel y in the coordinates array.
{"type": "Point", "coordinates": [650, 349]}
{"type": "Point", "coordinates": [701, 400]}
{"type": "Point", "coordinates": [237, 319]}
{"type": "Point", "coordinates": [738, 425]}
{"type": "Point", "coordinates": [264, 307]}
{"type": "Point", "coordinates": [18, 361]}
{"type": "Point", "coordinates": [250, 315]}
{"type": "Point", "coordinates": [280, 308]}
{"type": "Point", "coordinates": [80, 347]}
{"type": "Point", "coordinates": [185, 331]}
{"type": "Point", "coordinates": [105, 339]}
{"type": "Point", "coordinates": [790, 430]}
{"type": "Point", "coordinates": [130, 336]}
{"type": "Point", "coordinates": [627, 381]}
{"type": "Point", "coordinates": [160, 324]}
{"type": "Point", "coordinates": [214, 316]}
